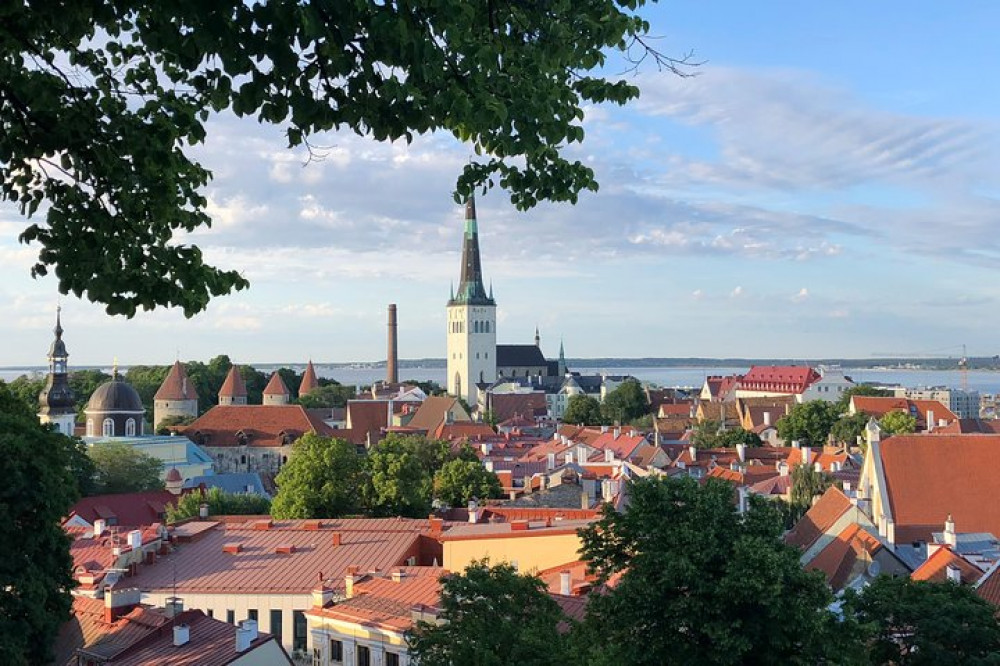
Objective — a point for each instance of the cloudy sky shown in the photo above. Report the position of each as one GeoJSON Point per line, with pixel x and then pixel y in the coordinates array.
{"type": "Point", "coordinates": [827, 185]}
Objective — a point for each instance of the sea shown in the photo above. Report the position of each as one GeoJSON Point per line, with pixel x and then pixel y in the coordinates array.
{"type": "Point", "coordinates": [983, 381]}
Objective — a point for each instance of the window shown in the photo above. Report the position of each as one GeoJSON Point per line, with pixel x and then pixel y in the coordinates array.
{"type": "Point", "coordinates": [299, 629]}
{"type": "Point", "coordinates": [230, 616]}
{"type": "Point", "coordinates": [391, 659]}
{"type": "Point", "coordinates": [336, 651]}
{"type": "Point", "coordinates": [252, 614]}
{"type": "Point", "coordinates": [108, 428]}
{"type": "Point", "coordinates": [130, 428]}
{"type": "Point", "coordinates": [275, 626]}
{"type": "Point", "coordinates": [364, 656]}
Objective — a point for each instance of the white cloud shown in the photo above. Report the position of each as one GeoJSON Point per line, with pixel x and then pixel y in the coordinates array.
{"type": "Point", "coordinates": [737, 292]}
{"type": "Point", "coordinates": [801, 296]}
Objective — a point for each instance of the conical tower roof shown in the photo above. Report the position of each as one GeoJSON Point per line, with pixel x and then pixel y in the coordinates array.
{"type": "Point", "coordinates": [234, 386]}
{"type": "Point", "coordinates": [470, 288]}
{"type": "Point", "coordinates": [176, 386]}
{"type": "Point", "coordinates": [309, 381]}
{"type": "Point", "coordinates": [276, 386]}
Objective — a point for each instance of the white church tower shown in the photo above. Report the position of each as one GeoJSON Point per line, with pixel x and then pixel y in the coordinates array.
{"type": "Point", "coordinates": [472, 321]}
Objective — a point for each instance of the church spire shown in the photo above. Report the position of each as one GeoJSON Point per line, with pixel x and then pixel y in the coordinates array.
{"type": "Point", "coordinates": [470, 288]}
{"type": "Point", "coordinates": [538, 338]}
{"type": "Point", "coordinates": [562, 359]}
{"type": "Point", "coordinates": [57, 403]}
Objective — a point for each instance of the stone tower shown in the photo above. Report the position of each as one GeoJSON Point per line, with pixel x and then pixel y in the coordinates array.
{"type": "Point", "coordinates": [472, 321]}
{"type": "Point", "coordinates": [276, 392]}
{"type": "Point", "coordinates": [234, 389]}
{"type": "Point", "coordinates": [56, 402]}
{"type": "Point", "coordinates": [175, 397]}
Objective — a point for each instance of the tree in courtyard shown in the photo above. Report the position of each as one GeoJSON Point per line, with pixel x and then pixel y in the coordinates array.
{"type": "Point", "coordinates": [917, 623]}
{"type": "Point", "coordinates": [807, 484]}
{"type": "Point", "coordinates": [459, 481]}
{"type": "Point", "coordinates": [398, 482]}
{"type": "Point", "coordinates": [327, 395]}
{"type": "Point", "coordinates": [849, 427]}
{"type": "Point", "coordinates": [121, 468]}
{"type": "Point", "coordinates": [699, 583]}
{"type": "Point", "coordinates": [220, 503]}
{"type": "Point", "coordinates": [583, 409]}
{"type": "Point", "coordinates": [38, 489]}
{"type": "Point", "coordinates": [96, 130]}
{"type": "Point", "coordinates": [322, 479]}
{"type": "Point", "coordinates": [708, 434]}
{"type": "Point", "coordinates": [491, 616]}
{"type": "Point", "coordinates": [808, 422]}
{"type": "Point", "coordinates": [625, 403]}
{"type": "Point", "coordinates": [898, 423]}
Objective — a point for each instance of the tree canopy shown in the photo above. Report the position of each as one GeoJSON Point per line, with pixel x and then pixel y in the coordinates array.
{"type": "Point", "coordinates": [700, 583]}
{"type": "Point", "coordinates": [38, 489]}
{"type": "Point", "coordinates": [849, 427]}
{"type": "Point", "coordinates": [459, 481]}
{"type": "Point", "coordinates": [583, 409]}
{"type": "Point", "coordinates": [220, 503]}
{"type": "Point", "coordinates": [625, 403]}
{"type": "Point", "coordinates": [491, 616]}
{"type": "Point", "coordinates": [708, 434]}
{"type": "Point", "coordinates": [101, 102]}
{"type": "Point", "coordinates": [808, 422]}
{"type": "Point", "coordinates": [321, 479]}
{"type": "Point", "coordinates": [898, 423]}
{"type": "Point", "coordinates": [121, 468]}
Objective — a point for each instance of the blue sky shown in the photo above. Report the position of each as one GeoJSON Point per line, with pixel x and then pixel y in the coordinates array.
{"type": "Point", "coordinates": [825, 186]}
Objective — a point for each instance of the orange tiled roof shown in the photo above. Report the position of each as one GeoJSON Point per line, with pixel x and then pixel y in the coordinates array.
{"type": "Point", "coordinates": [930, 476]}
{"type": "Point", "coordinates": [263, 425]}
{"type": "Point", "coordinates": [385, 602]}
{"type": "Point", "coordinates": [464, 431]}
{"type": "Point", "coordinates": [935, 567]}
{"type": "Point", "coordinates": [843, 556]}
{"type": "Point", "coordinates": [779, 378]}
{"type": "Point", "coordinates": [87, 627]}
{"type": "Point", "coordinates": [234, 386]}
{"type": "Point", "coordinates": [276, 386]}
{"type": "Point", "coordinates": [309, 381]}
{"type": "Point", "coordinates": [878, 407]}
{"type": "Point", "coordinates": [819, 518]}
{"type": "Point", "coordinates": [431, 412]}
{"type": "Point", "coordinates": [176, 385]}
{"type": "Point", "coordinates": [506, 405]}
{"type": "Point", "coordinates": [130, 510]}
{"type": "Point", "coordinates": [988, 587]}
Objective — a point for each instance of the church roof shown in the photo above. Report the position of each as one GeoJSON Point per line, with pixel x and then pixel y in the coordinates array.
{"type": "Point", "coordinates": [309, 381]}
{"type": "Point", "coordinates": [176, 386]}
{"type": "Point", "coordinates": [519, 356]}
{"type": "Point", "coordinates": [233, 387]}
{"type": "Point", "coordinates": [115, 396]}
{"type": "Point", "coordinates": [471, 290]}
{"type": "Point", "coordinates": [58, 348]}
{"type": "Point", "coordinates": [276, 386]}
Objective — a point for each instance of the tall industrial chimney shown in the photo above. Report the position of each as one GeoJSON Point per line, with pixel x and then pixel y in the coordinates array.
{"type": "Point", "coordinates": [391, 367]}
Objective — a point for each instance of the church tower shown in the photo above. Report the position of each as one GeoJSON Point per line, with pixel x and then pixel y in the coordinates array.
{"type": "Point", "coordinates": [472, 321]}
{"type": "Point", "coordinates": [56, 402]}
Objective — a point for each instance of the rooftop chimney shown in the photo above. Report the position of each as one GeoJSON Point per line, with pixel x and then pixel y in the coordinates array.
{"type": "Point", "coordinates": [930, 420]}
{"type": "Point", "coordinates": [398, 576]}
{"type": "Point", "coordinates": [173, 606]}
{"type": "Point", "coordinates": [950, 537]}
{"type": "Point", "coordinates": [807, 455]}
{"type": "Point", "coordinates": [565, 583]}
{"type": "Point", "coordinates": [246, 634]}
{"type": "Point", "coordinates": [321, 594]}
{"type": "Point", "coordinates": [120, 602]}
{"type": "Point", "coordinates": [741, 451]}
{"type": "Point", "coordinates": [135, 539]}
{"type": "Point", "coordinates": [767, 418]}
{"type": "Point", "coordinates": [203, 510]}
{"type": "Point", "coordinates": [182, 634]}
{"type": "Point", "coordinates": [391, 363]}
{"type": "Point", "coordinates": [550, 461]}
{"type": "Point", "coordinates": [99, 526]}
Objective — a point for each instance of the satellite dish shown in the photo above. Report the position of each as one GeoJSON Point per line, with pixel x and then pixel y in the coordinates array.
{"type": "Point", "coordinates": [874, 569]}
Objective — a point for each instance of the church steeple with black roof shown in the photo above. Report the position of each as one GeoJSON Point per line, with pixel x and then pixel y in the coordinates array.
{"type": "Point", "coordinates": [57, 402]}
{"type": "Point", "coordinates": [471, 289]}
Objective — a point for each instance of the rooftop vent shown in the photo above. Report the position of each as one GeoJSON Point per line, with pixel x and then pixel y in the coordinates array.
{"type": "Point", "coordinates": [232, 548]}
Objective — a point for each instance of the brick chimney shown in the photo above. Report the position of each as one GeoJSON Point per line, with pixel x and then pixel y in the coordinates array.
{"type": "Point", "coordinates": [392, 361]}
{"type": "Point", "coordinates": [120, 602]}
{"type": "Point", "coordinates": [950, 537]}
{"type": "Point", "coordinates": [565, 583]}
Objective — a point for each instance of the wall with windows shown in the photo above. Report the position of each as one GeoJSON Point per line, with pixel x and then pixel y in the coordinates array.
{"type": "Point", "coordinates": [342, 643]}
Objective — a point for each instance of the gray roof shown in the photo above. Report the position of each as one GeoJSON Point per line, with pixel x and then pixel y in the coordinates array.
{"type": "Point", "coordinates": [115, 396]}
{"type": "Point", "coordinates": [236, 482]}
{"type": "Point", "coordinates": [520, 356]}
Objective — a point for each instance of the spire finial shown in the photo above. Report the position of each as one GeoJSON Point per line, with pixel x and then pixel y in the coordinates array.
{"type": "Point", "coordinates": [491, 289]}
{"type": "Point", "coordinates": [114, 369]}
{"type": "Point", "coordinates": [59, 328]}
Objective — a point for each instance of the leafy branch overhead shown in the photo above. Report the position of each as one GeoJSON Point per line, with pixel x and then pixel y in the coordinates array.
{"type": "Point", "coordinates": [99, 102]}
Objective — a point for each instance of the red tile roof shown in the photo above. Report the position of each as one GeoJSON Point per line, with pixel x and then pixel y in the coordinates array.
{"type": "Point", "coordinates": [779, 378]}
{"type": "Point", "coordinates": [819, 518]}
{"type": "Point", "coordinates": [309, 381]}
{"type": "Point", "coordinates": [234, 386]}
{"type": "Point", "coordinates": [880, 406]}
{"type": "Point", "coordinates": [464, 431]}
{"type": "Point", "coordinates": [432, 411]}
{"type": "Point", "coordinates": [203, 567]}
{"type": "Point", "coordinates": [846, 556]}
{"type": "Point", "coordinates": [276, 386]}
{"type": "Point", "coordinates": [263, 425]}
{"type": "Point", "coordinates": [365, 420]}
{"type": "Point", "coordinates": [385, 602]}
{"type": "Point", "coordinates": [935, 567]}
{"type": "Point", "coordinates": [506, 405]}
{"type": "Point", "coordinates": [87, 628]}
{"type": "Point", "coordinates": [988, 587]}
{"type": "Point", "coordinates": [623, 446]}
{"type": "Point", "coordinates": [931, 476]}
{"type": "Point", "coordinates": [176, 386]}
{"type": "Point", "coordinates": [128, 509]}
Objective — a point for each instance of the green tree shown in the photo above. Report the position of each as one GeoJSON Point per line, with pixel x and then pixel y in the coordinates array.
{"type": "Point", "coordinates": [707, 586]}
{"type": "Point", "coordinates": [84, 383]}
{"type": "Point", "coordinates": [120, 468]}
{"type": "Point", "coordinates": [898, 423]}
{"type": "Point", "coordinates": [863, 390]}
{"type": "Point", "coordinates": [491, 616]}
{"type": "Point", "coordinates": [398, 483]}
{"type": "Point", "coordinates": [849, 427]}
{"type": "Point", "coordinates": [429, 387]}
{"type": "Point", "coordinates": [807, 484]}
{"type": "Point", "coordinates": [26, 388]}
{"type": "Point", "coordinates": [809, 422]}
{"type": "Point", "coordinates": [583, 409]}
{"type": "Point", "coordinates": [146, 380]}
{"type": "Point", "coordinates": [167, 424]}
{"type": "Point", "coordinates": [327, 395]}
{"type": "Point", "coordinates": [708, 435]}
{"type": "Point", "coordinates": [220, 503]}
{"type": "Point", "coordinates": [625, 403]}
{"type": "Point", "coordinates": [98, 130]}
{"type": "Point", "coordinates": [323, 478]}
{"type": "Point", "coordinates": [917, 623]}
{"type": "Point", "coordinates": [458, 481]}
{"type": "Point", "coordinates": [35, 565]}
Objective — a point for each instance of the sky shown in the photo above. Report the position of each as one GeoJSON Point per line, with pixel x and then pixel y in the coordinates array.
{"type": "Point", "coordinates": [826, 185]}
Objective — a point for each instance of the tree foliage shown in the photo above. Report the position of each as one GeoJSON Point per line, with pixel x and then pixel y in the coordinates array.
{"type": "Point", "coordinates": [38, 489]}
{"type": "Point", "coordinates": [626, 403]}
{"type": "Point", "coordinates": [491, 616]}
{"type": "Point", "coordinates": [321, 479]}
{"type": "Point", "coordinates": [459, 481]}
{"type": "Point", "coordinates": [898, 423]}
{"type": "Point", "coordinates": [708, 434]}
{"type": "Point", "coordinates": [220, 503]}
{"type": "Point", "coordinates": [121, 468]}
{"type": "Point", "coordinates": [700, 583]}
{"type": "Point", "coordinates": [849, 427]}
{"type": "Point", "coordinates": [97, 130]}
{"type": "Point", "coordinates": [918, 623]}
{"type": "Point", "coordinates": [583, 409]}
{"type": "Point", "coordinates": [400, 477]}
{"type": "Point", "coordinates": [807, 484]}
{"type": "Point", "coordinates": [809, 422]}
{"type": "Point", "coordinates": [327, 395]}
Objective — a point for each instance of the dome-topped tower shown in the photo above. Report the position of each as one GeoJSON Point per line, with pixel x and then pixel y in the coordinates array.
{"type": "Point", "coordinates": [115, 409]}
{"type": "Point", "coordinates": [57, 402]}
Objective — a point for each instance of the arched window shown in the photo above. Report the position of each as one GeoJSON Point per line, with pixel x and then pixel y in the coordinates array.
{"type": "Point", "coordinates": [90, 427]}
{"type": "Point", "coordinates": [108, 428]}
{"type": "Point", "coordinates": [130, 428]}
